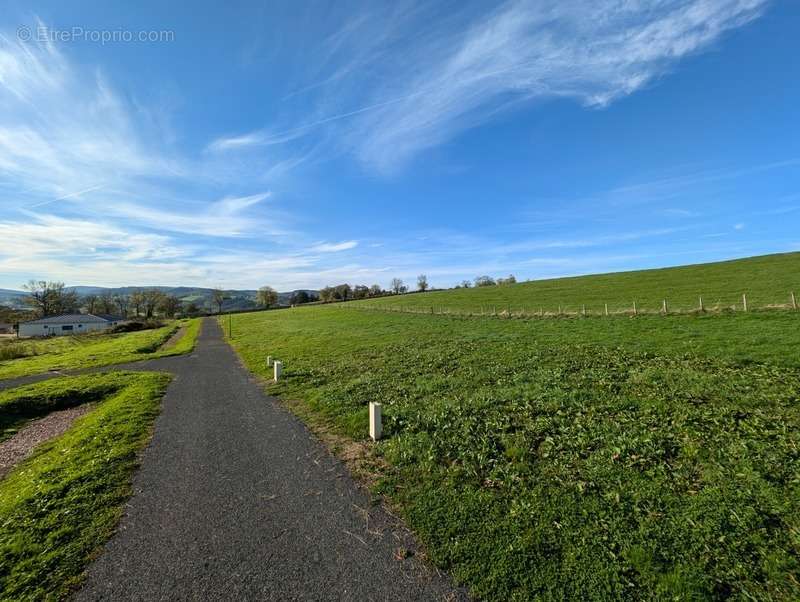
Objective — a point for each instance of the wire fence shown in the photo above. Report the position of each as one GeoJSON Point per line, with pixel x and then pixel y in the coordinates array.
{"type": "Point", "coordinates": [742, 305]}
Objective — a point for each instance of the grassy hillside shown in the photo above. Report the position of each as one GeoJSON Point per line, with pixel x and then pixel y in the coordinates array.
{"type": "Point", "coordinates": [603, 459]}
{"type": "Point", "coordinates": [767, 280]}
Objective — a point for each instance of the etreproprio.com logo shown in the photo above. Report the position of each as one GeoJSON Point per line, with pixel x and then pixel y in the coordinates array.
{"type": "Point", "coordinates": [41, 34]}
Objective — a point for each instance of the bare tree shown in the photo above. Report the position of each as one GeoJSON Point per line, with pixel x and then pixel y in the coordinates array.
{"type": "Point", "coordinates": [267, 296]}
{"type": "Point", "coordinates": [123, 304]}
{"type": "Point", "coordinates": [375, 290]}
{"type": "Point", "coordinates": [484, 281]}
{"type": "Point", "coordinates": [50, 298]}
{"type": "Point", "coordinates": [396, 286]}
{"type": "Point", "coordinates": [90, 303]}
{"type": "Point", "coordinates": [466, 284]}
{"type": "Point", "coordinates": [169, 305]}
{"type": "Point", "coordinates": [422, 282]}
{"type": "Point", "coordinates": [106, 304]}
{"type": "Point", "coordinates": [219, 296]}
{"type": "Point", "coordinates": [137, 302]}
{"type": "Point", "coordinates": [151, 299]}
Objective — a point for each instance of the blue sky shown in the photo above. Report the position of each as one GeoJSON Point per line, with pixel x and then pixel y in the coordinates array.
{"type": "Point", "coordinates": [300, 144]}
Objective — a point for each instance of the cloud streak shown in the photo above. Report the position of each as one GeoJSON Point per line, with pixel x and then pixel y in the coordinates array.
{"type": "Point", "coordinates": [443, 74]}
{"type": "Point", "coordinates": [524, 51]}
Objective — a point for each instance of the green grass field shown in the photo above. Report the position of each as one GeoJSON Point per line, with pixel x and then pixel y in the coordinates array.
{"type": "Point", "coordinates": [767, 280]}
{"type": "Point", "coordinates": [58, 507]}
{"type": "Point", "coordinates": [599, 458]}
{"type": "Point", "coordinates": [89, 351]}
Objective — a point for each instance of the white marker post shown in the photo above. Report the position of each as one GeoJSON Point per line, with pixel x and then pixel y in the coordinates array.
{"type": "Point", "coordinates": [269, 361]}
{"type": "Point", "coordinates": [278, 369]}
{"type": "Point", "coordinates": [375, 424]}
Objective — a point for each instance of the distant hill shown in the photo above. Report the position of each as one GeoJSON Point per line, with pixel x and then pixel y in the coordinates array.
{"type": "Point", "coordinates": [202, 297]}
{"type": "Point", "coordinates": [766, 279]}
{"type": "Point", "coordinates": [11, 298]}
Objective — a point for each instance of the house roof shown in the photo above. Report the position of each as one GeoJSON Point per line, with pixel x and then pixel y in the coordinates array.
{"type": "Point", "coordinates": [76, 318]}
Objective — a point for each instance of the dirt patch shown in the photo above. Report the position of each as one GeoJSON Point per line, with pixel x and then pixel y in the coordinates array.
{"type": "Point", "coordinates": [21, 445]}
{"type": "Point", "coordinates": [173, 340]}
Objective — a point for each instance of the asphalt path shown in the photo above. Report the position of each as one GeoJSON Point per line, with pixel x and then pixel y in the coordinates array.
{"type": "Point", "coordinates": [236, 500]}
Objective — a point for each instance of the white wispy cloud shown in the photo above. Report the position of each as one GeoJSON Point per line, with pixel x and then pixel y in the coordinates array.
{"type": "Point", "coordinates": [62, 130]}
{"type": "Point", "coordinates": [392, 82]}
{"type": "Point", "coordinates": [325, 247]}
{"type": "Point", "coordinates": [594, 52]}
{"type": "Point", "coordinates": [254, 139]}
{"type": "Point", "coordinates": [226, 217]}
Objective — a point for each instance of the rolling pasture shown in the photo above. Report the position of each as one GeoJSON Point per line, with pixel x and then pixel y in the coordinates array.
{"type": "Point", "coordinates": [588, 458]}
{"type": "Point", "coordinates": [768, 281]}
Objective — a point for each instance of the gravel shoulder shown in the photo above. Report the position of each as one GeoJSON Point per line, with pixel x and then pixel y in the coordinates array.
{"type": "Point", "coordinates": [21, 445]}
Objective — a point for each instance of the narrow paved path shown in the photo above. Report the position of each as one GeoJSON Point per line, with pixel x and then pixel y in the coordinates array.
{"type": "Point", "coordinates": [236, 500]}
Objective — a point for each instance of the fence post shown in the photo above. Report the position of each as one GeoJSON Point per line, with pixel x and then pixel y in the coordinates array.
{"type": "Point", "coordinates": [744, 301]}
{"type": "Point", "coordinates": [794, 302]}
{"type": "Point", "coordinates": [664, 306]}
{"type": "Point", "coordinates": [278, 366]}
{"type": "Point", "coordinates": [269, 361]}
{"type": "Point", "coordinates": [583, 310]}
{"type": "Point", "coordinates": [634, 308]}
{"type": "Point", "coordinates": [701, 305]}
{"type": "Point", "coordinates": [606, 306]}
{"type": "Point", "coordinates": [375, 423]}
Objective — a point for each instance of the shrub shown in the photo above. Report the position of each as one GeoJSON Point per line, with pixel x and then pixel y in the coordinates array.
{"type": "Point", "coordinates": [484, 281]}
{"type": "Point", "coordinates": [136, 325]}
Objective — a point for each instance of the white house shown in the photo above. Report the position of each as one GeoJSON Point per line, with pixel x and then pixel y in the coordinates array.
{"type": "Point", "coordinates": [68, 324]}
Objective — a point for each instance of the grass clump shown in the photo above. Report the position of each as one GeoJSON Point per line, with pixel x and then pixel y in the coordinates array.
{"type": "Point", "coordinates": [580, 459]}
{"type": "Point", "coordinates": [14, 351]}
{"type": "Point", "coordinates": [59, 506]}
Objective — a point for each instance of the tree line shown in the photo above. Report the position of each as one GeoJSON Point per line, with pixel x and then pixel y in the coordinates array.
{"type": "Point", "coordinates": [53, 299]}
{"type": "Point", "coordinates": [345, 292]}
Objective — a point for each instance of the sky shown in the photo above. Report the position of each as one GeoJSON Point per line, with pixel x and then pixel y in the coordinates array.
{"type": "Point", "coordinates": [303, 144]}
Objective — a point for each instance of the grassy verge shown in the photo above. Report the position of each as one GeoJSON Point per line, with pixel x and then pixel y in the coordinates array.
{"type": "Point", "coordinates": [60, 506]}
{"type": "Point", "coordinates": [569, 459]}
{"type": "Point", "coordinates": [88, 351]}
{"type": "Point", "coordinates": [19, 405]}
{"type": "Point", "coordinates": [188, 341]}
